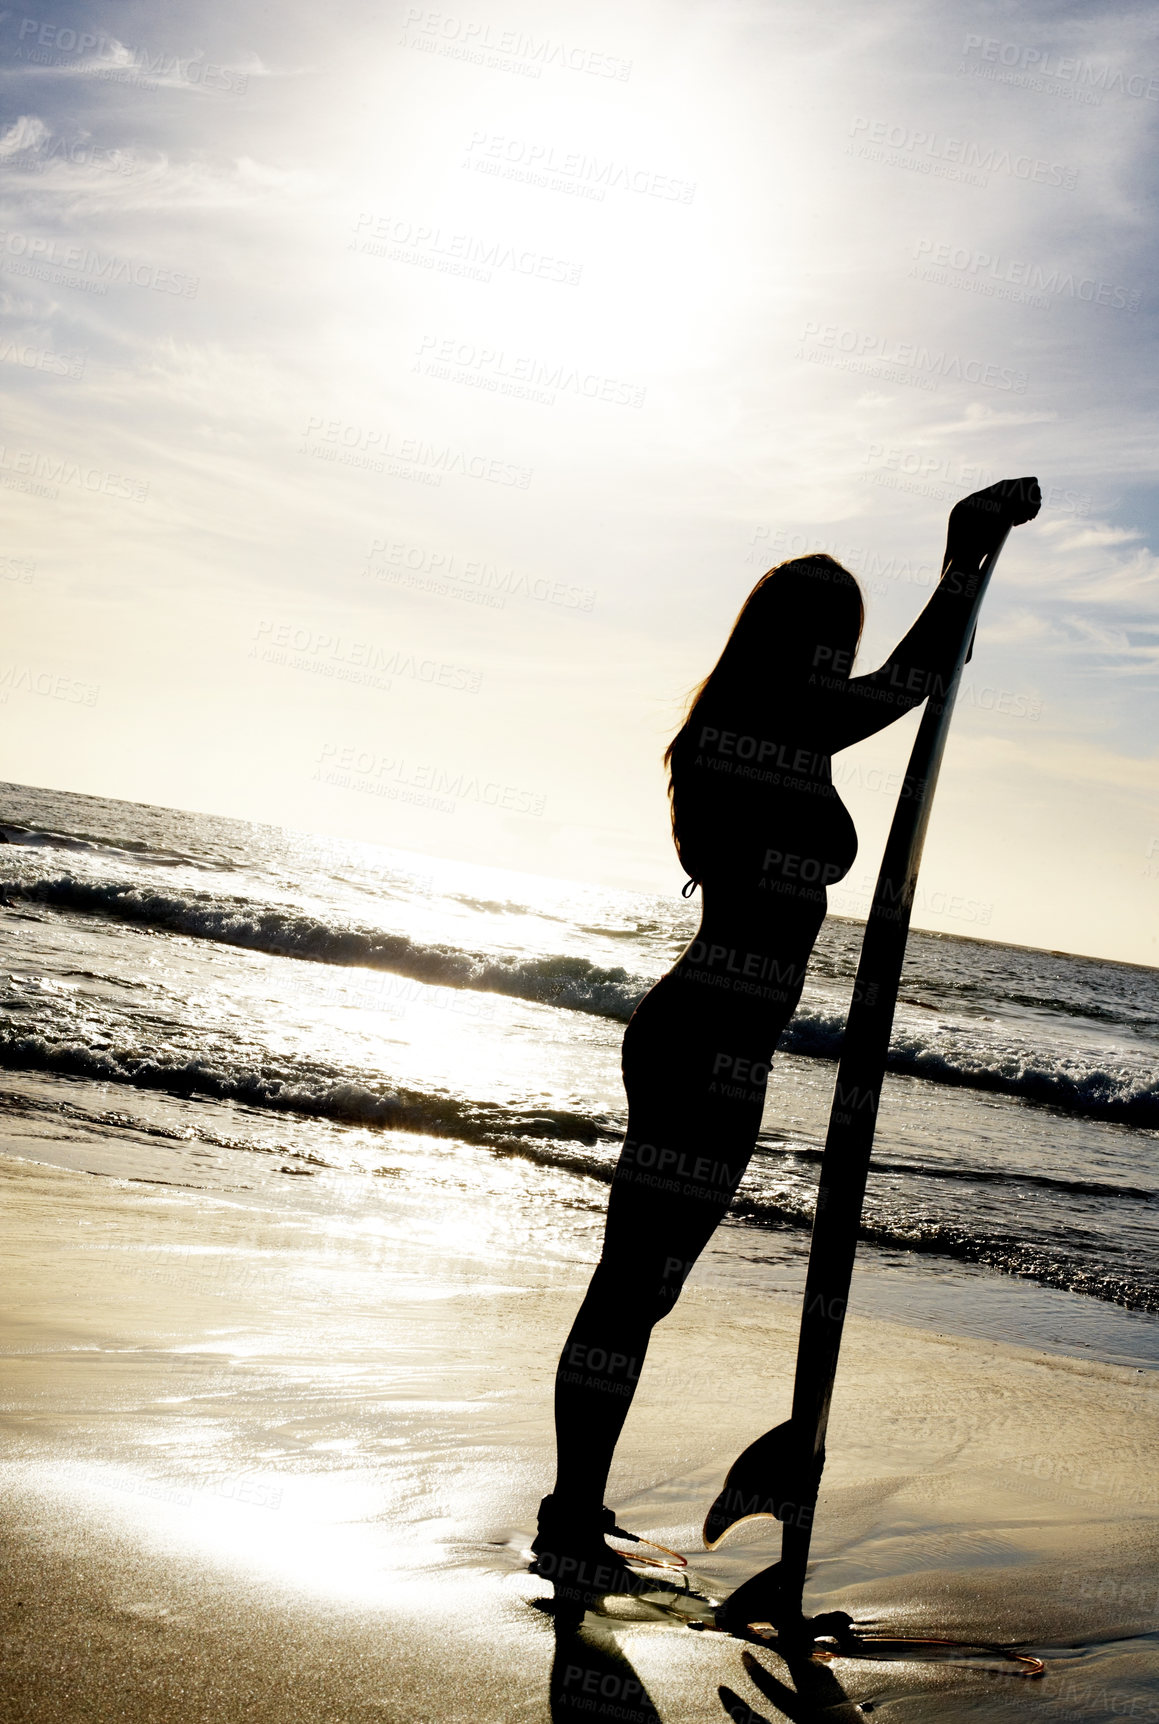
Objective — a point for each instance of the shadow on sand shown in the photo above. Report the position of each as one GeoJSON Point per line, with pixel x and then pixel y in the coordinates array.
{"type": "Point", "coordinates": [591, 1679]}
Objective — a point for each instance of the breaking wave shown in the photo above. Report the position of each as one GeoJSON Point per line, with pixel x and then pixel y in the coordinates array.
{"type": "Point", "coordinates": [311, 1090]}
{"type": "Point", "coordinates": [1074, 1082]}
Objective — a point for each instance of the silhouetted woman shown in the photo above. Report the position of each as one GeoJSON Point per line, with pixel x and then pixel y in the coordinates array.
{"type": "Point", "coordinates": [759, 826]}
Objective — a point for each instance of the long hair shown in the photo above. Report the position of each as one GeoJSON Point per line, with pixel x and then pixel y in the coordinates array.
{"type": "Point", "coordinates": [793, 609]}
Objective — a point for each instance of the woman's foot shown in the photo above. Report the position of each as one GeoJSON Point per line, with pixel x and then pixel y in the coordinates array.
{"type": "Point", "coordinates": [571, 1551]}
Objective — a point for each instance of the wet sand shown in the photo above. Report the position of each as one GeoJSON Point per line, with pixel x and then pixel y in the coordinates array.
{"type": "Point", "coordinates": [265, 1465]}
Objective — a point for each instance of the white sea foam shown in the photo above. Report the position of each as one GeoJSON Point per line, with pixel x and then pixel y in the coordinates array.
{"type": "Point", "coordinates": [973, 1055]}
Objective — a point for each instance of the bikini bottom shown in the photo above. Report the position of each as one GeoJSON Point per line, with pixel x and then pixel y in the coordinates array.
{"type": "Point", "coordinates": [696, 1063]}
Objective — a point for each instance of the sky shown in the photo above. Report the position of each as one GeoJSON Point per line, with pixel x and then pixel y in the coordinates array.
{"type": "Point", "coordinates": [401, 404]}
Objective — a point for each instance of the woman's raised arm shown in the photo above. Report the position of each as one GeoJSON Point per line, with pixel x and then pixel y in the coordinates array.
{"type": "Point", "coordinates": [922, 661]}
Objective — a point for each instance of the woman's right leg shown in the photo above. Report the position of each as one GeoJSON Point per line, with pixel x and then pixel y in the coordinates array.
{"type": "Point", "coordinates": [688, 1143]}
{"type": "Point", "coordinates": [594, 1385]}
{"type": "Point", "coordinates": [658, 1224]}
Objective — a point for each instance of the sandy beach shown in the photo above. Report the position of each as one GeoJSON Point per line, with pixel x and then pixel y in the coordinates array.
{"type": "Point", "coordinates": [261, 1465]}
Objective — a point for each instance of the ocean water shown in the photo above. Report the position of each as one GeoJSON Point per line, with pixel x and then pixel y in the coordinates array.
{"type": "Point", "coordinates": [316, 1023]}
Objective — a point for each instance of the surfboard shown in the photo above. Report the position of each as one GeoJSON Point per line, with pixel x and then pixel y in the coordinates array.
{"type": "Point", "coordinates": [780, 1474]}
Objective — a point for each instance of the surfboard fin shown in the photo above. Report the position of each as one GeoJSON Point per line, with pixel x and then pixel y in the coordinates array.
{"type": "Point", "coordinates": [769, 1480]}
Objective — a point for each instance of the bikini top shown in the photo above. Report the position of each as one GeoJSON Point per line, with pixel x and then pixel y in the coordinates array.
{"type": "Point", "coordinates": [755, 808]}
{"type": "Point", "coordinates": [753, 802]}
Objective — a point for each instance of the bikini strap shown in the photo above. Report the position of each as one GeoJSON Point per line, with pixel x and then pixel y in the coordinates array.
{"type": "Point", "coordinates": [688, 888]}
